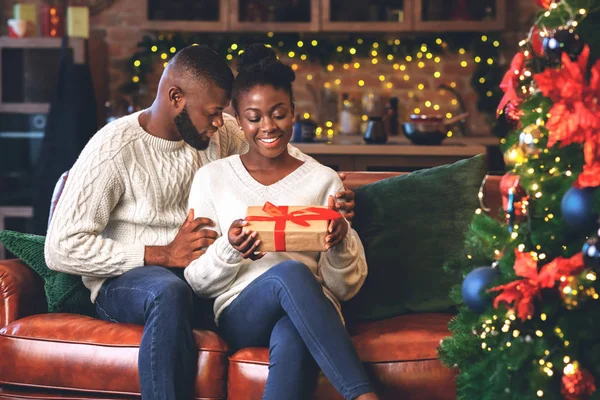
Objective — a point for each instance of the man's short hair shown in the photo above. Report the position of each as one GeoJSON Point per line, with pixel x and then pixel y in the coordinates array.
{"type": "Point", "coordinates": [203, 64]}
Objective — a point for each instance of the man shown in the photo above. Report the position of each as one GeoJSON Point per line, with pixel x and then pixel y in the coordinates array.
{"type": "Point", "coordinates": [122, 209]}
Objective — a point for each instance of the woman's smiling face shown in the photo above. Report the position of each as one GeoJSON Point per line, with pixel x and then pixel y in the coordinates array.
{"type": "Point", "coordinates": [266, 114]}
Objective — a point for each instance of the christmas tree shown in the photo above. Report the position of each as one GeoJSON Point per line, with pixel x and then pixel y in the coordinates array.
{"type": "Point", "coordinates": [528, 325]}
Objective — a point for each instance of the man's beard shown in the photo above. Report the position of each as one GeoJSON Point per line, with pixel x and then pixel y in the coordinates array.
{"type": "Point", "coordinates": [188, 131]}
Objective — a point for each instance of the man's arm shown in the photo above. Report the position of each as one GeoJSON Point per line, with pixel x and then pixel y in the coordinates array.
{"type": "Point", "coordinates": [74, 243]}
{"type": "Point", "coordinates": [187, 246]}
{"type": "Point", "coordinates": [344, 199]}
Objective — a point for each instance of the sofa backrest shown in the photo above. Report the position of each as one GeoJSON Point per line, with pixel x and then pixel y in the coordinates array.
{"type": "Point", "coordinates": [492, 197]}
{"type": "Point", "coordinates": [354, 179]}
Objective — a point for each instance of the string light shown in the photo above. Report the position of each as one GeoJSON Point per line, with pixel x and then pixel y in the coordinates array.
{"type": "Point", "coordinates": [378, 54]}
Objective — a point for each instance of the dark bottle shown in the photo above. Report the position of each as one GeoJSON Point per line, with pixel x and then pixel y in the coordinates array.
{"type": "Point", "coordinates": [375, 133]}
{"type": "Point", "coordinates": [390, 119]}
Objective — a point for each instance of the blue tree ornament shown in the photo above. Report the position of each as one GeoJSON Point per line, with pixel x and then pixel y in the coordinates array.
{"type": "Point", "coordinates": [474, 287]}
{"type": "Point", "coordinates": [577, 208]}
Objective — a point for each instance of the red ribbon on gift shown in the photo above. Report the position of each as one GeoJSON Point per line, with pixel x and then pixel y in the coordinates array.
{"type": "Point", "coordinates": [280, 215]}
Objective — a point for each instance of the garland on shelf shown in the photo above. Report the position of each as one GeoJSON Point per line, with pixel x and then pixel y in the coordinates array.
{"type": "Point", "coordinates": [329, 49]}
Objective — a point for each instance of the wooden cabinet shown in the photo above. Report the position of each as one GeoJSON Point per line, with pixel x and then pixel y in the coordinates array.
{"type": "Point", "coordinates": [274, 16]}
{"type": "Point", "coordinates": [187, 15]}
{"type": "Point", "coordinates": [326, 15]}
{"type": "Point", "coordinates": [367, 16]}
{"type": "Point", "coordinates": [459, 15]}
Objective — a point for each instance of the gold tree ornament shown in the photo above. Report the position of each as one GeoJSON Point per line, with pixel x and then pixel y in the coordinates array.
{"type": "Point", "coordinates": [514, 155]}
{"type": "Point", "coordinates": [570, 292]}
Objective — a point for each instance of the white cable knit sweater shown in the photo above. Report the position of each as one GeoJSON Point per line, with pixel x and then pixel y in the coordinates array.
{"type": "Point", "coordinates": [224, 189]}
{"type": "Point", "coordinates": [127, 190]}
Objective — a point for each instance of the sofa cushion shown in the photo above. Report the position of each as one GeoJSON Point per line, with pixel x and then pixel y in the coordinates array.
{"type": "Point", "coordinates": [399, 355]}
{"type": "Point", "coordinates": [75, 352]}
{"type": "Point", "coordinates": [64, 292]}
{"type": "Point", "coordinates": [410, 225]}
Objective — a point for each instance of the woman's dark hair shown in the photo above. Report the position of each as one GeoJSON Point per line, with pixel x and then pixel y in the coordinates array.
{"type": "Point", "coordinates": [258, 65]}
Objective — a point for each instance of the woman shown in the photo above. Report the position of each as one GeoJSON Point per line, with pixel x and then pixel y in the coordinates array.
{"type": "Point", "coordinates": [288, 301]}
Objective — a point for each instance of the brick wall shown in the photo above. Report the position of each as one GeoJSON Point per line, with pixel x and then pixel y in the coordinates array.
{"type": "Point", "coordinates": [120, 27]}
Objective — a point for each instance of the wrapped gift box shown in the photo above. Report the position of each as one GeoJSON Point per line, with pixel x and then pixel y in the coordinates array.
{"type": "Point", "coordinates": [78, 22]}
{"type": "Point", "coordinates": [290, 228]}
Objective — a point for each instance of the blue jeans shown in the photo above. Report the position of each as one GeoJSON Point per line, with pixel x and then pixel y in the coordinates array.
{"type": "Point", "coordinates": [161, 300]}
{"type": "Point", "coordinates": [285, 309]}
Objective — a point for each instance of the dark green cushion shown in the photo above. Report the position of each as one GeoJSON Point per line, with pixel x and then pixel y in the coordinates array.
{"type": "Point", "coordinates": [410, 225]}
{"type": "Point", "coordinates": [64, 292]}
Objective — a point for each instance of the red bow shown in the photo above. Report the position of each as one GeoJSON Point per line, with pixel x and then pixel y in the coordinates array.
{"type": "Point", "coordinates": [510, 81]}
{"type": "Point", "coordinates": [280, 215]}
{"type": "Point", "coordinates": [521, 293]}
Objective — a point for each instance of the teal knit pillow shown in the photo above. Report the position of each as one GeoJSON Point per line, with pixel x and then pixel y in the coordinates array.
{"type": "Point", "coordinates": [64, 292]}
{"type": "Point", "coordinates": [410, 225]}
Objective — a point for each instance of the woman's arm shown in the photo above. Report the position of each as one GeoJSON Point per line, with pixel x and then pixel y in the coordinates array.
{"type": "Point", "coordinates": [213, 272]}
{"type": "Point", "coordinates": [343, 267]}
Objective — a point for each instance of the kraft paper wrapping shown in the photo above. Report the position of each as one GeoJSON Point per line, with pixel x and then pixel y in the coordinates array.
{"type": "Point", "coordinates": [296, 237]}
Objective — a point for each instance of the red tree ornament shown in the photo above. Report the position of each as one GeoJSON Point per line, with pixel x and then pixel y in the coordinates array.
{"type": "Point", "coordinates": [577, 384]}
{"type": "Point", "coordinates": [544, 3]}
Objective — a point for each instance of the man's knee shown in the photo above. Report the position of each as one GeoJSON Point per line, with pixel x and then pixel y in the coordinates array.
{"type": "Point", "coordinates": [173, 293]}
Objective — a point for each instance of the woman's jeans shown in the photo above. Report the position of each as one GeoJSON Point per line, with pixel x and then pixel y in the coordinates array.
{"type": "Point", "coordinates": [161, 300]}
{"type": "Point", "coordinates": [285, 309]}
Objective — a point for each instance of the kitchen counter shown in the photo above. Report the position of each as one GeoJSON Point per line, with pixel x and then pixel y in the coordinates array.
{"type": "Point", "coordinates": [351, 153]}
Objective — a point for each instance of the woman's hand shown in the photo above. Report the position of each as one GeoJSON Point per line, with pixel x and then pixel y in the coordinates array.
{"type": "Point", "coordinates": [244, 240]}
{"type": "Point", "coordinates": [347, 206]}
{"type": "Point", "coordinates": [338, 228]}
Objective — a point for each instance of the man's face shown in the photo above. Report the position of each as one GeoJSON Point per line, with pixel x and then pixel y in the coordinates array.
{"type": "Point", "coordinates": [201, 115]}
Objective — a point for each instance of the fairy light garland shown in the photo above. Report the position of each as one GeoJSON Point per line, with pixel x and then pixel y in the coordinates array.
{"type": "Point", "coordinates": [338, 54]}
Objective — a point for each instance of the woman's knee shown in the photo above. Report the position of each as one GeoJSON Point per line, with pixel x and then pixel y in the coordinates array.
{"type": "Point", "coordinates": [293, 271]}
{"type": "Point", "coordinates": [286, 343]}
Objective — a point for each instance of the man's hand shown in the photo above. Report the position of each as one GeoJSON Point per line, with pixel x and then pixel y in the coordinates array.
{"type": "Point", "coordinates": [186, 247]}
{"type": "Point", "coordinates": [244, 240]}
{"type": "Point", "coordinates": [346, 206]}
{"type": "Point", "coordinates": [337, 229]}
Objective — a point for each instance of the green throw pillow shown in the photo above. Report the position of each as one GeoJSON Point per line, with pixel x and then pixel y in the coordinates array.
{"type": "Point", "coordinates": [64, 292]}
{"type": "Point", "coordinates": [410, 225]}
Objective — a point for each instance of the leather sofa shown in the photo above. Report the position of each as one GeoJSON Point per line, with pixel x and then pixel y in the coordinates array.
{"type": "Point", "coordinates": [68, 356]}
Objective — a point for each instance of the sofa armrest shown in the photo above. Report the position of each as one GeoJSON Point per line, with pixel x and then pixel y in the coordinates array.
{"type": "Point", "coordinates": [21, 292]}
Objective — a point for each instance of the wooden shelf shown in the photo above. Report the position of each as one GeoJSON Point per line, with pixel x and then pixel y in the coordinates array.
{"type": "Point", "coordinates": [96, 57]}
{"type": "Point", "coordinates": [25, 108]}
{"type": "Point", "coordinates": [77, 44]}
